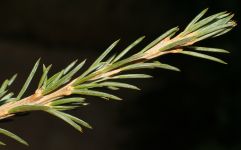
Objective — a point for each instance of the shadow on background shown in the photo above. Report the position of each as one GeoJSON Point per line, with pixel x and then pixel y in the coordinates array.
{"type": "Point", "coordinates": [197, 109]}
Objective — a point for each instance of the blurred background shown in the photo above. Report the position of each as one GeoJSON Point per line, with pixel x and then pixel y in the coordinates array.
{"type": "Point", "coordinates": [196, 109]}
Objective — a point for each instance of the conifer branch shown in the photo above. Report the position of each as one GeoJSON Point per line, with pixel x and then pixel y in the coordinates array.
{"type": "Point", "coordinates": [61, 91]}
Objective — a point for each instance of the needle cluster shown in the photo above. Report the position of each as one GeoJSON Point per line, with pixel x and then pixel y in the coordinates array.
{"type": "Point", "coordinates": [66, 89]}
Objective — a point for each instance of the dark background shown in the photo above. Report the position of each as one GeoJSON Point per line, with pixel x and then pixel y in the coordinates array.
{"type": "Point", "coordinates": [196, 109]}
